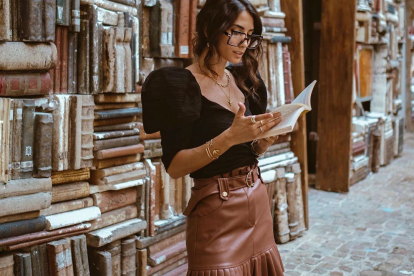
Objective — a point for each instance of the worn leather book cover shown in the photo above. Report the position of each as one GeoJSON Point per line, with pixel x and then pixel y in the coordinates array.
{"type": "Point", "coordinates": [72, 62]}
{"type": "Point", "coordinates": [182, 29]}
{"type": "Point", "coordinates": [152, 153]}
{"type": "Point", "coordinates": [152, 143]}
{"type": "Point", "coordinates": [167, 253]}
{"type": "Point", "coordinates": [128, 66]}
{"type": "Point", "coordinates": [24, 203]}
{"type": "Point", "coordinates": [111, 200]}
{"type": "Point", "coordinates": [100, 263]}
{"type": "Point", "coordinates": [22, 264]}
{"type": "Point", "coordinates": [116, 121]}
{"type": "Point", "coordinates": [108, 59]}
{"type": "Point", "coordinates": [31, 12]}
{"type": "Point", "coordinates": [118, 113]}
{"type": "Point", "coordinates": [40, 263]}
{"type": "Point", "coordinates": [16, 228]}
{"type": "Point", "coordinates": [23, 216]}
{"type": "Point", "coordinates": [146, 32]}
{"type": "Point", "coordinates": [6, 265]}
{"type": "Point", "coordinates": [114, 216]}
{"type": "Point", "coordinates": [142, 262]}
{"type": "Point", "coordinates": [58, 68]}
{"type": "Point", "coordinates": [120, 57]}
{"type": "Point", "coordinates": [60, 133]}
{"type": "Point", "coordinates": [64, 51]}
{"type": "Point", "coordinates": [70, 176]}
{"type": "Point", "coordinates": [128, 257]}
{"type": "Point", "coordinates": [165, 265]}
{"type": "Point", "coordinates": [42, 155]}
{"type": "Point", "coordinates": [273, 22]}
{"type": "Point", "coordinates": [118, 152]}
{"type": "Point", "coordinates": [59, 255]}
{"type": "Point", "coordinates": [115, 232]}
{"type": "Point", "coordinates": [114, 134]}
{"type": "Point", "coordinates": [116, 142]}
{"type": "Point", "coordinates": [66, 206]}
{"type": "Point", "coordinates": [19, 56]}
{"type": "Point", "coordinates": [74, 217]}
{"type": "Point", "coordinates": [287, 69]}
{"type": "Point", "coordinates": [15, 84]}
{"type": "Point", "coordinates": [80, 255]}
{"type": "Point", "coordinates": [135, 51]}
{"type": "Point", "coordinates": [70, 191]}
{"type": "Point", "coordinates": [117, 161]}
{"type": "Point", "coordinates": [87, 131]}
{"type": "Point", "coordinates": [17, 134]}
{"type": "Point", "coordinates": [75, 132]}
{"type": "Point", "coordinates": [26, 160]}
{"type": "Point", "coordinates": [100, 173]}
{"type": "Point", "coordinates": [5, 21]}
{"type": "Point", "coordinates": [49, 17]}
{"type": "Point", "coordinates": [83, 58]}
{"type": "Point", "coordinates": [161, 32]}
{"type": "Point", "coordinates": [24, 187]}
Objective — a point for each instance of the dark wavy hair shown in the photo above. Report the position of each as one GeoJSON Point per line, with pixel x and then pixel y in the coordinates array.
{"type": "Point", "coordinates": [215, 17]}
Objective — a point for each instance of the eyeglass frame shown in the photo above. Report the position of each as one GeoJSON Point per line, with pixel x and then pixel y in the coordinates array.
{"type": "Point", "coordinates": [248, 37]}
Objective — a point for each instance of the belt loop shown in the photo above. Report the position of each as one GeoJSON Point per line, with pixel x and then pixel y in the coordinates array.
{"type": "Point", "coordinates": [224, 191]}
{"type": "Point", "coordinates": [259, 173]}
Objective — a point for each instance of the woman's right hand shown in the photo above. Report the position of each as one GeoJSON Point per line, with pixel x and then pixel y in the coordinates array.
{"type": "Point", "coordinates": [243, 129]}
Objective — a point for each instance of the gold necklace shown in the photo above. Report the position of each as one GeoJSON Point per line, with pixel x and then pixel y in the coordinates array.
{"type": "Point", "coordinates": [228, 97]}
{"type": "Point", "coordinates": [222, 85]}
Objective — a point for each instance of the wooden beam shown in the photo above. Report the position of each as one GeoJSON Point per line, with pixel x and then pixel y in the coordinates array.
{"type": "Point", "coordinates": [409, 17]}
{"type": "Point", "coordinates": [335, 95]}
{"type": "Point", "coordinates": [294, 25]}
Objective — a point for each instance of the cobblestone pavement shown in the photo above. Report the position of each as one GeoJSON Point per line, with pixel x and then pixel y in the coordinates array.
{"type": "Point", "coordinates": [368, 231]}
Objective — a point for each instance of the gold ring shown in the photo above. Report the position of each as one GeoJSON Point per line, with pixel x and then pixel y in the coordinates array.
{"type": "Point", "coordinates": [253, 119]}
{"type": "Point", "coordinates": [261, 122]}
{"type": "Point", "coordinates": [261, 129]}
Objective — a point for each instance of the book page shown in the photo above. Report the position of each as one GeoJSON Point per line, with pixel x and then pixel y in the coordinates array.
{"type": "Point", "coordinates": [305, 96]}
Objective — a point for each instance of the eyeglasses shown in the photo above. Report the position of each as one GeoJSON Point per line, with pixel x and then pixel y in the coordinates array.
{"type": "Point", "coordinates": [237, 38]}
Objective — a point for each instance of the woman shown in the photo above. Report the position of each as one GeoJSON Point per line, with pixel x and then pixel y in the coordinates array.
{"type": "Point", "coordinates": [209, 116]}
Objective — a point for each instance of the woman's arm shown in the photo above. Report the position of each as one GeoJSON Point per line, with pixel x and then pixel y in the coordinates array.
{"type": "Point", "coordinates": [242, 130]}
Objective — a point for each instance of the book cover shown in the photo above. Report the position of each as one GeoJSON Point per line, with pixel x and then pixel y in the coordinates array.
{"type": "Point", "coordinates": [70, 191]}
{"type": "Point", "coordinates": [42, 155]}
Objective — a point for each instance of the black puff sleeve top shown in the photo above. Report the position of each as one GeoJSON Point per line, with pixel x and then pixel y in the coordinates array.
{"type": "Point", "coordinates": [173, 104]}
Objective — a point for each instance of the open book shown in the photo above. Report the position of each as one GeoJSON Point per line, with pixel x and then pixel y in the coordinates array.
{"type": "Point", "coordinates": [291, 112]}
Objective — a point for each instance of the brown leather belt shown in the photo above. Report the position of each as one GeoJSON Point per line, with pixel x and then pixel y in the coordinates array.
{"type": "Point", "coordinates": [222, 184]}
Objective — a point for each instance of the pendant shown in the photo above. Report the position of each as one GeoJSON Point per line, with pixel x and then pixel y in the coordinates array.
{"type": "Point", "coordinates": [230, 102]}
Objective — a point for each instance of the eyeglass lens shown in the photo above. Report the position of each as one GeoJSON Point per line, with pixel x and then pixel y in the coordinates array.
{"type": "Point", "coordinates": [237, 38]}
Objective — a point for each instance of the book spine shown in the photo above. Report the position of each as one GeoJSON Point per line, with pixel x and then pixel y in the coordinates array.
{"type": "Point", "coordinates": [142, 262]}
{"type": "Point", "coordinates": [42, 156]}
{"type": "Point", "coordinates": [49, 17]}
{"type": "Point", "coordinates": [118, 98]}
{"type": "Point", "coordinates": [72, 57]}
{"type": "Point", "coordinates": [114, 134]}
{"type": "Point", "coordinates": [17, 133]}
{"type": "Point", "coordinates": [128, 259]}
{"type": "Point", "coordinates": [114, 216]}
{"type": "Point", "coordinates": [113, 6]}
{"type": "Point", "coordinates": [10, 140]}
{"type": "Point", "coordinates": [22, 84]}
{"type": "Point", "coordinates": [72, 217]}
{"type": "Point", "coordinates": [182, 28]}
{"type": "Point", "coordinates": [176, 260]}
{"type": "Point", "coordinates": [67, 206]}
{"type": "Point", "coordinates": [26, 165]}
{"type": "Point", "coordinates": [60, 6]}
{"type": "Point", "coordinates": [100, 263]}
{"type": "Point", "coordinates": [5, 20]}
{"type": "Point", "coordinates": [57, 72]}
{"type": "Point", "coordinates": [22, 227]}
{"type": "Point", "coordinates": [70, 176]}
{"type": "Point", "coordinates": [57, 259]}
{"type": "Point", "coordinates": [281, 216]}
{"type": "Point", "coordinates": [57, 144]}
{"type": "Point", "coordinates": [87, 131]}
{"type": "Point", "coordinates": [76, 256]}
{"type": "Point", "coordinates": [116, 121]}
{"type": "Point", "coordinates": [289, 97]}
{"type": "Point", "coordinates": [75, 16]}
{"type": "Point", "coordinates": [111, 200]}
{"type": "Point", "coordinates": [166, 243]}
{"type": "Point", "coordinates": [24, 216]}
{"type": "Point", "coordinates": [32, 15]}
{"type": "Point", "coordinates": [22, 264]}
{"type": "Point", "coordinates": [192, 28]}
{"type": "Point", "coordinates": [118, 152]}
{"type": "Point", "coordinates": [119, 86]}
{"type": "Point", "coordinates": [25, 203]}
{"type": "Point", "coordinates": [75, 134]}
{"type": "Point", "coordinates": [116, 142]}
{"type": "Point", "coordinates": [118, 113]}
{"type": "Point", "coordinates": [64, 60]}
{"type": "Point", "coordinates": [128, 60]}
{"type": "Point", "coordinates": [160, 257]}
{"type": "Point", "coordinates": [70, 191]}
{"type": "Point", "coordinates": [146, 31]}
{"type": "Point", "coordinates": [106, 163]}
{"type": "Point", "coordinates": [98, 174]}
{"type": "Point", "coordinates": [127, 126]}
{"type": "Point", "coordinates": [24, 187]}
{"type": "Point", "coordinates": [83, 58]}
{"type": "Point", "coordinates": [121, 178]}
{"type": "Point", "coordinates": [108, 63]}
{"type": "Point", "coordinates": [7, 264]}
{"type": "Point", "coordinates": [126, 2]}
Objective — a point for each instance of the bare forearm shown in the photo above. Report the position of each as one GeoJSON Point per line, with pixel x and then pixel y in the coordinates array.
{"type": "Point", "coordinates": [189, 160]}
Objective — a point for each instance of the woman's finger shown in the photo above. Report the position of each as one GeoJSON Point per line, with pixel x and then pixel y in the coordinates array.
{"type": "Point", "coordinates": [271, 124]}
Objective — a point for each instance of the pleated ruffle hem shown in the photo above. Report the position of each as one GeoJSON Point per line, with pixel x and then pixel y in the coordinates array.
{"type": "Point", "coordinates": [267, 263]}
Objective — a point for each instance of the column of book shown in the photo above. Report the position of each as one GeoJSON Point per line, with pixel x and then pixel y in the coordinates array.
{"type": "Point", "coordinates": [378, 124]}
{"type": "Point", "coordinates": [83, 188]}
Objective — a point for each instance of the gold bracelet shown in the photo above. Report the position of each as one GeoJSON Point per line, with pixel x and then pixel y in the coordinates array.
{"type": "Point", "coordinates": [254, 151]}
{"type": "Point", "coordinates": [215, 154]}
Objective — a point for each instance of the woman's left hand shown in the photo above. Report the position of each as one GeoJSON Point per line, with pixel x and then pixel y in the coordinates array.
{"type": "Point", "coordinates": [263, 144]}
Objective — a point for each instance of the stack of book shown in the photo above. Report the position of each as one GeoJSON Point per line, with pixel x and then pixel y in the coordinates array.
{"type": "Point", "coordinates": [387, 137]}
{"type": "Point", "coordinates": [359, 158]}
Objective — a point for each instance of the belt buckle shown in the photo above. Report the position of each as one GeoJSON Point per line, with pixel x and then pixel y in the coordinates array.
{"type": "Point", "coordinates": [249, 178]}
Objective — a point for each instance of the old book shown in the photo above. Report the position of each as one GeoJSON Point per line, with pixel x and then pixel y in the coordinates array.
{"type": "Point", "coordinates": [166, 243]}
{"type": "Point", "coordinates": [192, 30]}
{"type": "Point", "coordinates": [111, 200]}
{"type": "Point", "coordinates": [162, 256]}
{"type": "Point", "coordinates": [122, 178]}
{"type": "Point", "coordinates": [128, 66]}
{"type": "Point", "coordinates": [119, 50]}
{"type": "Point", "coordinates": [121, 151]}
{"type": "Point", "coordinates": [72, 217]}
{"type": "Point", "coordinates": [146, 32]}
{"type": "Point", "coordinates": [115, 106]}
{"type": "Point", "coordinates": [136, 49]}
{"type": "Point", "coordinates": [108, 59]}
{"type": "Point", "coordinates": [25, 186]}
{"type": "Point", "coordinates": [6, 265]}
{"type": "Point", "coordinates": [57, 71]}
{"type": "Point", "coordinates": [70, 191]}
{"type": "Point", "coordinates": [114, 134]}
{"type": "Point", "coordinates": [60, 133]}
{"type": "Point", "coordinates": [23, 84]}
{"type": "Point", "coordinates": [87, 131]}
{"type": "Point", "coordinates": [24, 203]}
{"type": "Point", "coordinates": [293, 216]}
{"type": "Point", "coordinates": [164, 194]}
{"type": "Point", "coordinates": [126, 2]}
{"type": "Point", "coordinates": [64, 60]}
{"type": "Point", "coordinates": [182, 20]}
{"type": "Point", "coordinates": [26, 165]}
{"type": "Point", "coordinates": [142, 262]}
{"type": "Point", "coordinates": [16, 228]}
{"type": "Point", "coordinates": [5, 21]}
{"type": "Point", "coordinates": [66, 206]}
{"type": "Point", "coordinates": [162, 29]}
{"type": "Point", "coordinates": [150, 196]}
{"type": "Point", "coordinates": [110, 5]}
{"type": "Point", "coordinates": [79, 250]}
{"type": "Point", "coordinates": [152, 143]}
{"type": "Point", "coordinates": [106, 163]}
{"type": "Point", "coordinates": [181, 268]}
{"type": "Point", "coordinates": [39, 237]}
{"type": "Point", "coordinates": [70, 176]}
{"type": "Point", "coordinates": [42, 155]}
{"type": "Point", "coordinates": [17, 217]}
{"type": "Point", "coordinates": [83, 58]}
{"type": "Point", "coordinates": [49, 17]}
{"type": "Point", "coordinates": [40, 263]}
{"type": "Point", "coordinates": [116, 187]}
{"type": "Point", "coordinates": [173, 260]}
{"type": "Point", "coordinates": [17, 133]}
{"type": "Point", "coordinates": [117, 98]}
{"type": "Point", "coordinates": [116, 121]}
{"type": "Point", "coordinates": [72, 61]}
{"type": "Point", "coordinates": [116, 142]}
{"type": "Point", "coordinates": [299, 199]}
{"type": "Point", "coordinates": [100, 263]}
{"type": "Point", "coordinates": [128, 258]}
{"type": "Point", "coordinates": [22, 264]}
{"type": "Point", "coordinates": [276, 80]}
{"type": "Point", "coordinates": [31, 14]}
{"type": "Point", "coordinates": [5, 114]}
{"type": "Point", "coordinates": [75, 132]}
{"type": "Point", "coordinates": [165, 225]}
{"type": "Point", "coordinates": [60, 260]}
{"type": "Point", "coordinates": [289, 95]}
{"type": "Point", "coordinates": [157, 188]}
{"type": "Point", "coordinates": [22, 56]}
{"type": "Point", "coordinates": [178, 196]}
{"type": "Point", "coordinates": [118, 113]}
{"type": "Point", "coordinates": [144, 242]}
{"type": "Point", "coordinates": [281, 227]}
{"type": "Point", "coordinates": [114, 248]}
{"type": "Point", "coordinates": [75, 16]}
{"type": "Point", "coordinates": [127, 126]}
{"type": "Point", "coordinates": [100, 173]}
{"type": "Point", "coordinates": [114, 216]}
{"type": "Point", "coordinates": [114, 232]}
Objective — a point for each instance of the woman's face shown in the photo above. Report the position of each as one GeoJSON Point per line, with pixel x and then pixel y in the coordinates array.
{"type": "Point", "coordinates": [244, 23]}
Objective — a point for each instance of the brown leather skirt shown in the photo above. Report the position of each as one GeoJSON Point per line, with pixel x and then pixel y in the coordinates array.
{"type": "Point", "coordinates": [229, 227]}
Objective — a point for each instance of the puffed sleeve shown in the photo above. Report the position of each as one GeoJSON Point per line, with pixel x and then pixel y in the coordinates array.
{"type": "Point", "coordinates": [171, 102]}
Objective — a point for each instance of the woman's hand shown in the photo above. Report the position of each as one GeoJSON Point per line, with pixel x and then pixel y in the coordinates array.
{"type": "Point", "coordinates": [245, 129]}
{"type": "Point", "coordinates": [263, 144]}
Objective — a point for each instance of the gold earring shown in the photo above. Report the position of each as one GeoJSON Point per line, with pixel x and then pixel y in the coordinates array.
{"type": "Point", "coordinates": [208, 45]}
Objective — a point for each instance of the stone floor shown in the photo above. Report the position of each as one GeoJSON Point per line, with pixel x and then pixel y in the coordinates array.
{"type": "Point", "coordinates": [368, 231]}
